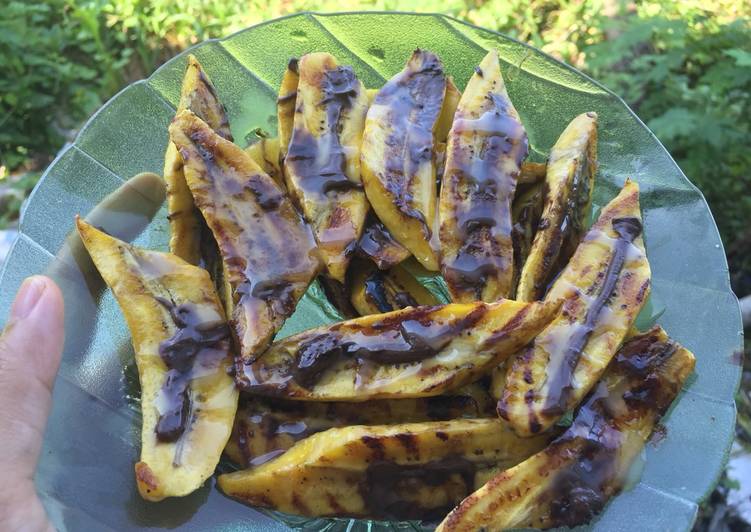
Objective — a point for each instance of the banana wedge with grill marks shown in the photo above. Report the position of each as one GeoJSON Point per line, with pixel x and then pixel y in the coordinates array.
{"type": "Point", "coordinates": [181, 344]}
{"type": "Point", "coordinates": [322, 164]}
{"type": "Point", "coordinates": [486, 147]}
{"type": "Point", "coordinates": [285, 105]}
{"type": "Point", "coordinates": [265, 153]}
{"type": "Point", "coordinates": [374, 291]}
{"type": "Point", "coordinates": [603, 287]}
{"type": "Point", "coordinates": [570, 481]}
{"type": "Point", "coordinates": [414, 352]}
{"type": "Point", "coordinates": [398, 167]}
{"type": "Point", "coordinates": [446, 118]}
{"type": "Point", "coordinates": [526, 211]}
{"type": "Point", "coordinates": [190, 239]}
{"type": "Point", "coordinates": [568, 183]}
{"type": "Point", "coordinates": [264, 428]}
{"type": "Point", "coordinates": [268, 252]}
{"type": "Point", "coordinates": [409, 471]}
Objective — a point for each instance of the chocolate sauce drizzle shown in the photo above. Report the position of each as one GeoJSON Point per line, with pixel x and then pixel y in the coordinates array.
{"type": "Point", "coordinates": [180, 354]}
{"type": "Point", "coordinates": [377, 244]}
{"type": "Point", "coordinates": [340, 87]}
{"type": "Point", "coordinates": [561, 383]}
{"type": "Point", "coordinates": [397, 342]}
{"type": "Point", "coordinates": [583, 487]}
{"type": "Point", "coordinates": [375, 290]}
{"type": "Point", "coordinates": [414, 98]}
{"type": "Point", "coordinates": [485, 214]}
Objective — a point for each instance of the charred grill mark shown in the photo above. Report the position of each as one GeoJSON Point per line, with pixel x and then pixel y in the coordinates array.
{"type": "Point", "coordinates": [209, 108]}
{"type": "Point", "coordinates": [409, 442]}
{"type": "Point", "coordinates": [261, 500]}
{"type": "Point", "coordinates": [300, 505]}
{"type": "Point", "coordinates": [336, 508]}
{"type": "Point", "coordinates": [643, 291]}
{"type": "Point", "coordinates": [284, 98]}
{"type": "Point", "coordinates": [375, 445]}
{"type": "Point", "coordinates": [561, 383]}
{"type": "Point", "coordinates": [508, 328]}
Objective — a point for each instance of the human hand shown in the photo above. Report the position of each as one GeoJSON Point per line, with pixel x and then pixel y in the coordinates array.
{"type": "Point", "coordinates": [30, 349]}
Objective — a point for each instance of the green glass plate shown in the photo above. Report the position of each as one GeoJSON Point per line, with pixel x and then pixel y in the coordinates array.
{"type": "Point", "coordinates": [86, 472]}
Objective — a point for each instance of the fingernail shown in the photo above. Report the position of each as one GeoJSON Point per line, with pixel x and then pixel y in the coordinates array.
{"type": "Point", "coordinates": [28, 296]}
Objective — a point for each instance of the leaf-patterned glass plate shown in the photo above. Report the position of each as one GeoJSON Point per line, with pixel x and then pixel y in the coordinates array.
{"type": "Point", "coordinates": [86, 472]}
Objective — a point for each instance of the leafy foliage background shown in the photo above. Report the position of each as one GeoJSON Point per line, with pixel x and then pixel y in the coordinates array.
{"type": "Point", "coordinates": [684, 66]}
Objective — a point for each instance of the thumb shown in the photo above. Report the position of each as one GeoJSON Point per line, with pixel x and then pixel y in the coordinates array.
{"type": "Point", "coordinates": [30, 349]}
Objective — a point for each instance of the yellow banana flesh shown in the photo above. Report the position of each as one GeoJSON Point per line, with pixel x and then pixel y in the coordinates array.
{"type": "Point", "coordinates": [408, 471]}
{"type": "Point", "coordinates": [264, 428]}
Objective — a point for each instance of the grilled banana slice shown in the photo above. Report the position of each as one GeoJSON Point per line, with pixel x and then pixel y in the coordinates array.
{"type": "Point", "coordinates": [375, 291]}
{"type": "Point", "coordinates": [570, 481]}
{"type": "Point", "coordinates": [322, 165]}
{"type": "Point", "coordinates": [265, 153]}
{"type": "Point", "coordinates": [568, 183]}
{"type": "Point", "coordinates": [285, 105]}
{"type": "Point", "coordinates": [264, 428]}
{"type": "Point", "coordinates": [268, 252]}
{"type": "Point", "coordinates": [414, 352]}
{"type": "Point", "coordinates": [409, 471]}
{"type": "Point", "coordinates": [398, 167]}
{"type": "Point", "coordinates": [486, 147]}
{"type": "Point", "coordinates": [604, 286]}
{"type": "Point", "coordinates": [181, 344]}
{"type": "Point", "coordinates": [190, 239]}
{"type": "Point", "coordinates": [526, 212]}
{"type": "Point", "coordinates": [377, 244]}
{"type": "Point", "coordinates": [446, 118]}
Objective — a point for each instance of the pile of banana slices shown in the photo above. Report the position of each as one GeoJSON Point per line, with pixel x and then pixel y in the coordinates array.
{"type": "Point", "coordinates": [521, 403]}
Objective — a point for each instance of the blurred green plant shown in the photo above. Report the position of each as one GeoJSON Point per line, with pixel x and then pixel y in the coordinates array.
{"type": "Point", "coordinates": [689, 78]}
{"type": "Point", "coordinates": [684, 66]}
